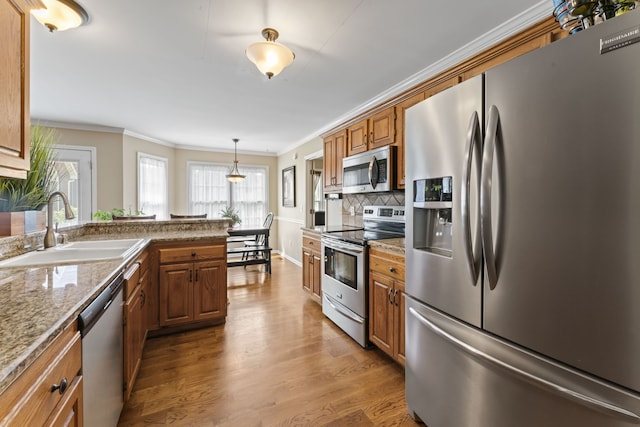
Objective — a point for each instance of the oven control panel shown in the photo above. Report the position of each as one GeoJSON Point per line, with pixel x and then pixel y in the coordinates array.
{"type": "Point", "coordinates": [389, 213]}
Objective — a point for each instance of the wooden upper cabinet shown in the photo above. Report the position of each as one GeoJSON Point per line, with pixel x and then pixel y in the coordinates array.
{"type": "Point", "coordinates": [358, 137]}
{"type": "Point", "coordinates": [14, 87]}
{"type": "Point", "coordinates": [334, 150]}
{"type": "Point", "coordinates": [382, 128]}
{"type": "Point", "coordinates": [400, 124]}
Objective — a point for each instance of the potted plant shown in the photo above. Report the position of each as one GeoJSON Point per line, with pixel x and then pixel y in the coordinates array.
{"type": "Point", "coordinates": [22, 200]}
{"type": "Point", "coordinates": [119, 214]}
{"type": "Point", "coordinates": [232, 215]}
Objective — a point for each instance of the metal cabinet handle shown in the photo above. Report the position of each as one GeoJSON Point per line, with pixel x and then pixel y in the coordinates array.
{"type": "Point", "coordinates": [191, 275]}
{"type": "Point", "coordinates": [395, 297]}
{"type": "Point", "coordinates": [62, 387]}
{"type": "Point", "coordinates": [392, 269]}
{"type": "Point", "coordinates": [197, 274]}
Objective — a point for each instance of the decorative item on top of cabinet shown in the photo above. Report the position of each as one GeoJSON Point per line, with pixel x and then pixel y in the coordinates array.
{"type": "Point", "coordinates": [387, 303]}
{"type": "Point", "coordinates": [135, 318]}
{"type": "Point", "coordinates": [334, 149]}
{"type": "Point", "coordinates": [400, 110]}
{"type": "Point", "coordinates": [312, 265]}
{"type": "Point", "coordinates": [49, 392]}
{"type": "Point", "coordinates": [373, 132]}
{"type": "Point", "coordinates": [14, 86]}
{"type": "Point", "coordinates": [192, 284]}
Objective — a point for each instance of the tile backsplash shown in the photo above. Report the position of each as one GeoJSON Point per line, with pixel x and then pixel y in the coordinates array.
{"type": "Point", "coordinates": [357, 202]}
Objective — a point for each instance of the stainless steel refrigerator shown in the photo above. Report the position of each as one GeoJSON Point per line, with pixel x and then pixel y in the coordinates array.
{"type": "Point", "coordinates": [523, 240]}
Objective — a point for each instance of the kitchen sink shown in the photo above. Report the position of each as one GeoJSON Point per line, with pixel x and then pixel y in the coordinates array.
{"type": "Point", "coordinates": [76, 253]}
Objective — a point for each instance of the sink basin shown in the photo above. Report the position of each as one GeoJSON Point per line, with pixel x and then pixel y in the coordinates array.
{"type": "Point", "coordinates": [76, 253]}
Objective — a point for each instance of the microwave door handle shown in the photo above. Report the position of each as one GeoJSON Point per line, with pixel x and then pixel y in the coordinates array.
{"type": "Point", "coordinates": [373, 172]}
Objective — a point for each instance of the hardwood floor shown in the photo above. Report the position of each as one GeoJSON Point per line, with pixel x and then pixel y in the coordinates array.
{"type": "Point", "coordinates": [276, 362]}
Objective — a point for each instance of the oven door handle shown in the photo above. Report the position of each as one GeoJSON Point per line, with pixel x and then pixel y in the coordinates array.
{"type": "Point", "coordinates": [349, 249]}
{"type": "Point", "coordinates": [337, 307]}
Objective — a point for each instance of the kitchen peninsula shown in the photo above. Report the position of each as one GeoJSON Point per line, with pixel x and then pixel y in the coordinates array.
{"type": "Point", "coordinates": [41, 303]}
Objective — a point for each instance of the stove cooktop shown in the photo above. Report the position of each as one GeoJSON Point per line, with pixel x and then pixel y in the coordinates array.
{"type": "Point", "coordinates": [361, 237]}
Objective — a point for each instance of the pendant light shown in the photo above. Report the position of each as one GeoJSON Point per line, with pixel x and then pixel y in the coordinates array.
{"type": "Point", "coordinates": [234, 174]}
{"type": "Point", "coordinates": [270, 57]}
{"type": "Point", "coordinates": [60, 15]}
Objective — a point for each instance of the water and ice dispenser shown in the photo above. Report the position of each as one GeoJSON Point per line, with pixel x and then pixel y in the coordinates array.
{"type": "Point", "coordinates": [432, 215]}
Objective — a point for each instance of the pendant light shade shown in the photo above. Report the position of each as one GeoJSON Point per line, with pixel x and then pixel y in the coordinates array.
{"type": "Point", "coordinates": [270, 57]}
{"type": "Point", "coordinates": [234, 174]}
{"type": "Point", "coordinates": [61, 15]}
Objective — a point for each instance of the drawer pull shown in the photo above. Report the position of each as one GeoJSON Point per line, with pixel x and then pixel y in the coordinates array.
{"type": "Point", "coordinates": [193, 254]}
{"type": "Point", "coordinates": [392, 269]}
{"type": "Point", "coordinates": [62, 387]}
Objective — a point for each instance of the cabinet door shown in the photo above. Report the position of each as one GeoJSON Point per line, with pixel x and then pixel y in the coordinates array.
{"type": "Point", "coordinates": [176, 294]}
{"type": "Point", "coordinates": [68, 413]}
{"type": "Point", "coordinates": [132, 340]}
{"type": "Point", "coordinates": [357, 141]}
{"type": "Point", "coordinates": [399, 321]}
{"type": "Point", "coordinates": [14, 88]}
{"type": "Point", "coordinates": [381, 312]}
{"type": "Point", "coordinates": [340, 147]}
{"type": "Point", "coordinates": [382, 128]}
{"type": "Point", "coordinates": [400, 110]}
{"type": "Point", "coordinates": [307, 271]}
{"type": "Point", "coordinates": [329, 163]}
{"type": "Point", "coordinates": [316, 267]}
{"type": "Point", "coordinates": [210, 290]}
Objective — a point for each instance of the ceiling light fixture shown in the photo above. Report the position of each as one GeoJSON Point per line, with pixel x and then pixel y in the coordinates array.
{"type": "Point", "coordinates": [270, 57]}
{"type": "Point", "coordinates": [234, 174]}
{"type": "Point", "coordinates": [60, 15]}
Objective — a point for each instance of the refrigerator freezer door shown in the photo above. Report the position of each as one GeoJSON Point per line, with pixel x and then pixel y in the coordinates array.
{"type": "Point", "coordinates": [566, 221]}
{"type": "Point", "coordinates": [439, 136]}
{"type": "Point", "coordinates": [457, 375]}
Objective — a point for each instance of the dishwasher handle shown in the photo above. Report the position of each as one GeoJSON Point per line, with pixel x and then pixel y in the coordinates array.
{"type": "Point", "coordinates": [92, 313]}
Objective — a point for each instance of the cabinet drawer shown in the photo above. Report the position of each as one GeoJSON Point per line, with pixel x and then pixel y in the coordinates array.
{"type": "Point", "coordinates": [131, 279]}
{"type": "Point", "coordinates": [388, 264]}
{"type": "Point", "coordinates": [194, 253]}
{"type": "Point", "coordinates": [29, 401]}
{"type": "Point", "coordinates": [311, 243]}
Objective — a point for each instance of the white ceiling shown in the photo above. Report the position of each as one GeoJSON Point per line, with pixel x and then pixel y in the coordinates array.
{"type": "Point", "coordinates": [175, 70]}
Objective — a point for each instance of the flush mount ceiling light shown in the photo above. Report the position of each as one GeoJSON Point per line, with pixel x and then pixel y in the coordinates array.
{"type": "Point", "coordinates": [234, 174]}
{"type": "Point", "coordinates": [270, 57]}
{"type": "Point", "coordinates": [61, 15]}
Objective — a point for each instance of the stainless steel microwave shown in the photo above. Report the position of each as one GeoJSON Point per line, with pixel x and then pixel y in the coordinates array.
{"type": "Point", "coordinates": [369, 172]}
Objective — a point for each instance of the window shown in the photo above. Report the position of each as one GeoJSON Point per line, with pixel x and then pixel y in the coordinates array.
{"type": "Point", "coordinates": [74, 176]}
{"type": "Point", "coordinates": [152, 185]}
{"type": "Point", "coordinates": [210, 192]}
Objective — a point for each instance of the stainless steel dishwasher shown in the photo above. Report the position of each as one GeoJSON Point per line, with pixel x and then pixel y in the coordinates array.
{"type": "Point", "coordinates": [102, 357]}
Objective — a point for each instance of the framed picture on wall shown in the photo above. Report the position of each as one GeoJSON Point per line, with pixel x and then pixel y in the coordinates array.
{"type": "Point", "coordinates": [289, 186]}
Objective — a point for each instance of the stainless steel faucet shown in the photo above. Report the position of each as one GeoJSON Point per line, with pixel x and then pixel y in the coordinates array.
{"type": "Point", "coordinates": [50, 236]}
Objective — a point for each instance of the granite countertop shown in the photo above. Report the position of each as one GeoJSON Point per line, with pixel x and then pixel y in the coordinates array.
{"type": "Point", "coordinates": [39, 303]}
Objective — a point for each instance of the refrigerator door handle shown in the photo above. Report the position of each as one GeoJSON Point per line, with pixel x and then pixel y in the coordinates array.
{"type": "Point", "coordinates": [544, 384]}
{"type": "Point", "coordinates": [473, 251]}
{"type": "Point", "coordinates": [486, 226]}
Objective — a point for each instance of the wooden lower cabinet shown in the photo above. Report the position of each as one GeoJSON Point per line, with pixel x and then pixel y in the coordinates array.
{"type": "Point", "coordinates": [49, 392]}
{"type": "Point", "coordinates": [135, 324]}
{"type": "Point", "coordinates": [192, 284]}
{"type": "Point", "coordinates": [312, 265]}
{"type": "Point", "coordinates": [387, 302]}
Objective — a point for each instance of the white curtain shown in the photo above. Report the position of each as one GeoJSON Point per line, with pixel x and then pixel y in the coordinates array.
{"type": "Point", "coordinates": [208, 189]}
{"type": "Point", "coordinates": [152, 185]}
{"type": "Point", "coordinates": [210, 192]}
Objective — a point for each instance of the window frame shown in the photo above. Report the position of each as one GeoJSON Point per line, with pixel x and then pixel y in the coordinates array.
{"type": "Point", "coordinates": [229, 185]}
